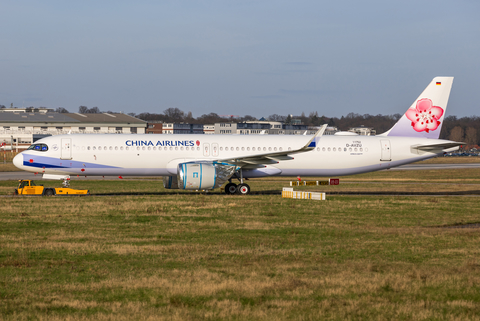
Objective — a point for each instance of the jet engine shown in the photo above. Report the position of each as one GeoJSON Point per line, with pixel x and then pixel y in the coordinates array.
{"type": "Point", "coordinates": [199, 176]}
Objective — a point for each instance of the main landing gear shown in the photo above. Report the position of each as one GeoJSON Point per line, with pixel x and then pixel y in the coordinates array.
{"type": "Point", "coordinates": [241, 189]}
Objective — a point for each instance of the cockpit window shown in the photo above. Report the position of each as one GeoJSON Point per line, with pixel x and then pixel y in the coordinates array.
{"type": "Point", "coordinates": [39, 147]}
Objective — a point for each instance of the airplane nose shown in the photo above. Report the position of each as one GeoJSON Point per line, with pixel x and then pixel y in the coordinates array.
{"type": "Point", "coordinates": [18, 161]}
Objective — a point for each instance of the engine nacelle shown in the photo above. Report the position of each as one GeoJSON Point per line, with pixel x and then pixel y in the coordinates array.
{"type": "Point", "coordinates": [196, 176]}
{"type": "Point", "coordinates": [170, 182]}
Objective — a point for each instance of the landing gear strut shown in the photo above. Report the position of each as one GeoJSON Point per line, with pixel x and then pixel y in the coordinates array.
{"type": "Point", "coordinates": [241, 189]}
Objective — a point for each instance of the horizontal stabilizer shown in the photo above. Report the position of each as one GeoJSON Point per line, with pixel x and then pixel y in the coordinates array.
{"type": "Point", "coordinates": [444, 146]}
{"type": "Point", "coordinates": [439, 146]}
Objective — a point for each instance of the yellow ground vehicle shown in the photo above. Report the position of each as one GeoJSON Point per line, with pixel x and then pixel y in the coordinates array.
{"type": "Point", "coordinates": [28, 187]}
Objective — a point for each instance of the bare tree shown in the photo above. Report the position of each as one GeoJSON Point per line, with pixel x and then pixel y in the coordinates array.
{"type": "Point", "coordinates": [188, 118]}
{"type": "Point", "coordinates": [174, 114]}
{"type": "Point", "coordinates": [82, 109]}
{"type": "Point", "coordinates": [94, 110]}
{"type": "Point", "coordinates": [471, 136]}
{"type": "Point", "coordinates": [276, 117]}
{"type": "Point", "coordinates": [61, 110]}
{"type": "Point", "coordinates": [456, 134]}
{"type": "Point", "coordinates": [211, 118]}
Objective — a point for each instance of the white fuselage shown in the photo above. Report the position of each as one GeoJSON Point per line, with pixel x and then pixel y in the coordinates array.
{"type": "Point", "coordinates": [159, 155]}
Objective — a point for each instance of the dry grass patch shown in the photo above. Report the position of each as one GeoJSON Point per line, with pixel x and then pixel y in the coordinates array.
{"type": "Point", "coordinates": [193, 256]}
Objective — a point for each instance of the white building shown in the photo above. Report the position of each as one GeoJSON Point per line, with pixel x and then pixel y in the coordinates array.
{"type": "Point", "coordinates": [24, 126]}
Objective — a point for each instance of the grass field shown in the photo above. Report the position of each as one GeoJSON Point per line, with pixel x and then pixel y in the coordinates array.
{"type": "Point", "coordinates": [149, 254]}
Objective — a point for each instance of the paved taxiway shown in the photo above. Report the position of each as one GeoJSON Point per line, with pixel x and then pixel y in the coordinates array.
{"type": "Point", "coordinates": [6, 176]}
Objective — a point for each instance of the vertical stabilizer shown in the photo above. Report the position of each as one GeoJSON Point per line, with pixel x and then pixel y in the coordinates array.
{"type": "Point", "coordinates": [425, 117]}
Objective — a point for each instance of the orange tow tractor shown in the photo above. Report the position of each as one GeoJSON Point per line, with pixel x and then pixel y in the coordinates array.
{"type": "Point", "coordinates": [28, 187]}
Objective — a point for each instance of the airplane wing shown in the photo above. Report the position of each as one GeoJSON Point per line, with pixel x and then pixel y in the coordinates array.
{"type": "Point", "coordinates": [260, 160]}
{"type": "Point", "coordinates": [226, 167]}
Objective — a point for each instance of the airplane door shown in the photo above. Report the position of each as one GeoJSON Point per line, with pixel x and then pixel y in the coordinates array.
{"type": "Point", "coordinates": [215, 149]}
{"type": "Point", "coordinates": [66, 151]}
{"type": "Point", "coordinates": [206, 149]}
{"type": "Point", "coordinates": [386, 152]}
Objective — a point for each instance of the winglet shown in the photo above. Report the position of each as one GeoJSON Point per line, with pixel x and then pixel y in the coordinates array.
{"type": "Point", "coordinates": [312, 143]}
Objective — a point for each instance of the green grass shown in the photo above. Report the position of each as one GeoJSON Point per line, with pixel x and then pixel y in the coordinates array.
{"type": "Point", "coordinates": [190, 256]}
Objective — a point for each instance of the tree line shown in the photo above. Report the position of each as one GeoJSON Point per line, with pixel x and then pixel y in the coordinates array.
{"type": "Point", "coordinates": [462, 129]}
{"type": "Point", "coordinates": [457, 129]}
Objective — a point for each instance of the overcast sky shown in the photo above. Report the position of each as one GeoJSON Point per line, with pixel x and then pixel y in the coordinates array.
{"type": "Point", "coordinates": [238, 57]}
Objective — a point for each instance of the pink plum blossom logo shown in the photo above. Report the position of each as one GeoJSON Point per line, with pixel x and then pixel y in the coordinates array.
{"type": "Point", "coordinates": [425, 116]}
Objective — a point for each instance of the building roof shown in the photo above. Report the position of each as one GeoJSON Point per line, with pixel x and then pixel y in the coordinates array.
{"type": "Point", "coordinates": [22, 117]}
{"type": "Point", "coordinates": [53, 117]}
{"type": "Point", "coordinates": [106, 118]}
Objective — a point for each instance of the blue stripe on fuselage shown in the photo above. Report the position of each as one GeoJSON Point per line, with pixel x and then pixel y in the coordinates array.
{"type": "Point", "coordinates": [51, 162]}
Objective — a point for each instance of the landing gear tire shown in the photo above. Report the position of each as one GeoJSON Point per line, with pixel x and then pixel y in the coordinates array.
{"type": "Point", "coordinates": [243, 189]}
{"type": "Point", "coordinates": [230, 188]}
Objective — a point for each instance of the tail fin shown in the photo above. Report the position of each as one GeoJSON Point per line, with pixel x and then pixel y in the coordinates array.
{"type": "Point", "coordinates": [425, 117]}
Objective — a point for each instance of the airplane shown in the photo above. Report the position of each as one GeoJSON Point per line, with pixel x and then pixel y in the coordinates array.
{"type": "Point", "coordinates": [206, 162]}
